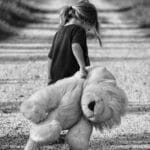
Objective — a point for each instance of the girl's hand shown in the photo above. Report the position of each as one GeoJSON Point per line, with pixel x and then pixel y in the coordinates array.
{"type": "Point", "coordinates": [83, 73]}
{"type": "Point", "coordinates": [49, 81]}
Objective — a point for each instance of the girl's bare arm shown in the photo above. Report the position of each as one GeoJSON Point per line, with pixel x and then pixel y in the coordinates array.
{"type": "Point", "coordinates": [78, 53]}
{"type": "Point", "coordinates": [49, 69]}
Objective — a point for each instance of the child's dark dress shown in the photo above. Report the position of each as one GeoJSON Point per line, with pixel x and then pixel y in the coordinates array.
{"type": "Point", "coordinates": [64, 63]}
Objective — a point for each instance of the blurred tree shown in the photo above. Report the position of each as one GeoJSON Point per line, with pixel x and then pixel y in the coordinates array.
{"type": "Point", "coordinates": [16, 13]}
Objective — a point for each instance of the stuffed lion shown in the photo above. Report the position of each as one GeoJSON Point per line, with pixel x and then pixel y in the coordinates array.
{"type": "Point", "coordinates": [77, 105]}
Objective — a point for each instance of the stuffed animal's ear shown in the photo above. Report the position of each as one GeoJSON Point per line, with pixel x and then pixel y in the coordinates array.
{"type": "Point", "coordinates": [98, 74]}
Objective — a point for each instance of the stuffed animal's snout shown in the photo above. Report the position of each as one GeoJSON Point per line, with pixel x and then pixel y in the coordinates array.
{"type": "Point", "coordinates": [91, 105]}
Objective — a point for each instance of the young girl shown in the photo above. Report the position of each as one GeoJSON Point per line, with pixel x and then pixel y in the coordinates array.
{"type": "Point", "coordinates": [69, 51]}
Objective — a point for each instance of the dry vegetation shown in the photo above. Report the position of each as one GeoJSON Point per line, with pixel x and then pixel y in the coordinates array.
{"type": "Point", "coordinates": [23, 79]}
{"type": "Point", "coordinates": [139, 10]}
{"type": "Point", "coordinates": [16, 14]}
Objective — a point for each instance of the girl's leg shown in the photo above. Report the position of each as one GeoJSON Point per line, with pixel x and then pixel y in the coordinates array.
{"type": "Point", "coordinates": [31, 145]}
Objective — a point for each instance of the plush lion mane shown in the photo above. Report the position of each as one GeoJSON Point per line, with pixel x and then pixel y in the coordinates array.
{"type": "Point", "coordinates": [107, 101]}
{"type": "Point", "coordinates": [117, 106]}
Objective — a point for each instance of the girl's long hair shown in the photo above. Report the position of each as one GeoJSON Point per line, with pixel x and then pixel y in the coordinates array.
{"type": "Point", "coordinates": [85, 12]}
{"type": "Point", "coordinates": [66, 14]}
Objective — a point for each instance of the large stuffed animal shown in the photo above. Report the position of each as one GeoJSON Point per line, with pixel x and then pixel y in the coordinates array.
{"type": "Point", "coordinates": [77, 105]}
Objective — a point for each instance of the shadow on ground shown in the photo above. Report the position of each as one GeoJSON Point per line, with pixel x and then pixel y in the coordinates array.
{"type": "Point", "coordinates": [123, 142]}
{"type": "Point", "coordinates": [17, 142]}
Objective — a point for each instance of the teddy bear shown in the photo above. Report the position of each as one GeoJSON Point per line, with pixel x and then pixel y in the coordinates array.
{"type": "Point", "coordinates": [77, 105]}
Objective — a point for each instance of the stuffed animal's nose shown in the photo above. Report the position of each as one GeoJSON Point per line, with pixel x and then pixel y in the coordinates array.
{"type": "Point", "coordinates": [91, 105]}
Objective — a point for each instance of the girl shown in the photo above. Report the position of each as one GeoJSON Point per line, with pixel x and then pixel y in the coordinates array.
{"type": "Point", "coordinates": [69, 52]}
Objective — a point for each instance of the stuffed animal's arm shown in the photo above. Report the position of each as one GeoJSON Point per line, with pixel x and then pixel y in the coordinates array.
{"type": "Point", "coordinates": [37, 107]}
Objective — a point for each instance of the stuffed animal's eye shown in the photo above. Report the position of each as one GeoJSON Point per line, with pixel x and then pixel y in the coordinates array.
{"type": "Point", "coordinates": [91, 105]}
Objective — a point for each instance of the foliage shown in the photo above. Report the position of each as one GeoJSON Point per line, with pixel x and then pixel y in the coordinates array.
{"type": "Point", "coordinates": [16, 14]}
{"type": "Point", "coordinates": [140, 12]}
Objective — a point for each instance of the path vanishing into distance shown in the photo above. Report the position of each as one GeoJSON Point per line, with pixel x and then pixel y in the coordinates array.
{"type": "Point", "coordinates": [122, 39]}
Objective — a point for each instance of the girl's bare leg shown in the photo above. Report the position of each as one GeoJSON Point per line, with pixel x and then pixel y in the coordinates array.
{"type": "Point", "coordinates": [31, 145]}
